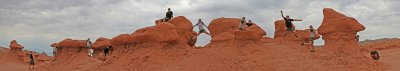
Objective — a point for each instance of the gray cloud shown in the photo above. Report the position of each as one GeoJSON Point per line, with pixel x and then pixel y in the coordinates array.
{"type": "Point", "coordinates": [38, 23]}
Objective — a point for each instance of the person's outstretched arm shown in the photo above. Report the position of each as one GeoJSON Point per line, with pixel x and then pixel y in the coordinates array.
{"type": "Point", "coordinates": [196, 24]}
{"type": "Point", "coordinates": [297, 20]}
{"type": "Point", "coordinates": [282, 14]}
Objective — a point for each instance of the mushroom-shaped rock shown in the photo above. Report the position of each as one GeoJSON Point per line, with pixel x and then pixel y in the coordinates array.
{"type": "Point", "coordinates": [16, 49]}
{"type": "Point", "coordinates": [163, 32]}
{"type": "Point", "coordinates": [225, 29]}
{"type": "Point", "coordinates": [338, 30]}
{"type": "Point", "coordinates": [101, 43]}
{"type": "Point", "coordinates": [69, 43]}
{"type": "Point", "coordinates": [15, 45]}
{"type": "Point", "coordinates": [298, 36]}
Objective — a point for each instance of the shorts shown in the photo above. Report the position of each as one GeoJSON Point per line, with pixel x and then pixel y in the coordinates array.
{"type": "Point", "coordinates": [202, 31]}
{"type": "Point", "coordinates": [312, 38]}
{"type": "Point", "coordinates": [289, 28]}
{"type": "Point", "coordinates": [32, 62]}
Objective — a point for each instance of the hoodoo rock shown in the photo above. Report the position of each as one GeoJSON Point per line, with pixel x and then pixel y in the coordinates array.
{"type": "Point", "coordinates": [227, 29]}
{"type": "Point", "coordinates": [16, 49]}
{"type": "Point", "coordinates": [101, 43]}
{"type": "Point", "coordinates": [339, 31]}
{"type": "Point", "coordinates": [15, 45]}
{"type": "Point", "coordinates": [68, 47]}
{"type": "Point", "coordinates": [298, 37]}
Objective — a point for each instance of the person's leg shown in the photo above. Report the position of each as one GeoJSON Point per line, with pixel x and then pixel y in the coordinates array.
{"type": "Point", "coordinates": [312, 45]}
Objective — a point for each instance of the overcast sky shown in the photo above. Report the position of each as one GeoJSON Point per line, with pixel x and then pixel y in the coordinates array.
{"type": "Point", "coordinates": [38, 23]}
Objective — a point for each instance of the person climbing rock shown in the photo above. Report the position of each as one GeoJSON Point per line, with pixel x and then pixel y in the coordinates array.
{"type": "Point", "coordinates": [288, 22]}
{"type": "Point", "coordinates": [200, 24]}
{"type": "Point", "coordinates": [168, 15]}
{"type": "Point", "coordinates": [31, 61]}
{"type": "Point", "coordinates": [249, 23]}
{"type": "Point", "coordinates": [242, 22]}
{"type": "Point", "coordinates": [107, 50]}
{"type": "Point", "coordinates": [375, 55]}
{"type": "Point", "coordinates": [89, 47]}
{"type": "Point", "coordinates": [312, 31]}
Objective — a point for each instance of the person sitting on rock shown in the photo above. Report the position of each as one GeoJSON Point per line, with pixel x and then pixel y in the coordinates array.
{"type": "Point", "coordinates": [31, 61]}
{"type": "Point", "coordinates": [288, 22]}
{"type": "Point", "coordinates": [249, 23]}
{"type": "Point", "coordinates": [89, 47]}
{"type": "Point", "coordinates": [375, 55]}
{"type": "Point", "coordinates": [107, 50]}
{"type": "Point", "coordinates": [312, 31]}
{"type": "Point", "coordinates": [168, 15]}
{"type": "Point", "coordinates": [200, 24]}
{"type": "Point", "coordinates": [242, 22]}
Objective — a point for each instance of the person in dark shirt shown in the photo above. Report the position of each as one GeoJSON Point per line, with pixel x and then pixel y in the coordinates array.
{"type": "Point", "coordinates": [375, 55]}
{"type": "Point", "coordinates": [288, 22]}
{"type": "Point", "coordinates": [31, 61]}
{"type": "Point", "coordinates": [168, 15]}
{"type": "Point", "coordinates": [107, 50]}
{"type": "Point", "coordinates": [249, 23]}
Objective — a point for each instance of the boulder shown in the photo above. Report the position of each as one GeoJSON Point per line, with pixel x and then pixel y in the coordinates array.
{"type": "Point", "coordinates": [164, 32]}
{"type": "Point", "coordinates": [339, 31]}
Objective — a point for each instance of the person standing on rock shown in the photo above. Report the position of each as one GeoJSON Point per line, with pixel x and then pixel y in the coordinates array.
{"type": "Point", "coordinates": [288, 22]}
{"type": "Point", "coordinates": [200, 24]}
{"type": "Point", "coordinates": [89, 47]}
{"type": "Point", "coordinates": [168, 15]}
{"type": "Point", "coordinates": [31, 61]}
{"type": "Point", "coordinates": [107, 50]}
{"type": "Point", "coordinates": [357, 38]}
{"type": "Point", "coordinates": [242, 22]}
{"type": "Point", "coordinates": [312, 31]}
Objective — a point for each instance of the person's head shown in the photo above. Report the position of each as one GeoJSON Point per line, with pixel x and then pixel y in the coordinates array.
{"type": "Point", "coordinates": [311, 27]}
{"type": "Point", "coordinates": [199, 19]}
{"type": "Point", "coordinates": [169, 9]}
{"type": "Point", "coordinates": [287, 16]}
{"type": "Point", "coordinates": [31, 52]}
{"type": "Point", "coordinates": [243, 18]}
{"type": "Point", "coordinates": [88, 39]}
{"type": "Point", "coordinates": [250, 21]}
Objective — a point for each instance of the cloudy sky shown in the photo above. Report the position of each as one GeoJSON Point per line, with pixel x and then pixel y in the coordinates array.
{"type": "Point", "coordinates": [38, 23]}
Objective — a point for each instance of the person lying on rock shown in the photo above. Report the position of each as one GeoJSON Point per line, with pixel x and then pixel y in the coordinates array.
{"type": "Point", "coordinates": [200, 24]}
{"type": "Point", "coordinates": [168, 15]}
{"type": "Point", "coordinates": [31, 61]}
{"type": "Point", "coordinates": [312, 31]}
{"type": "Point", "coordinates": [242, 22]}
{"type": "Point", "coordinates": [288, 22]}
{"type": "Point", "coordinates": [249, 23]}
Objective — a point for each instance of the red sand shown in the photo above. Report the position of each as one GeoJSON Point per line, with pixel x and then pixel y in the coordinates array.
{"type": "Point", "coordinates": [167, 47]}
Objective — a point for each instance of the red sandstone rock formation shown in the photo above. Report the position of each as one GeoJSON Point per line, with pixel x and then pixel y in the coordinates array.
{"type": "Point", "coordinates": [297, 37]}
{"type": "Point", "coordinates": [101, 43]}
{"type": "Point", "coordinates": [339, 31]}
{"type": "Point", "coordinates": [16, 49]}
{"type": "Point", "coordinates": [227, 29]}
